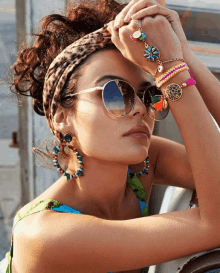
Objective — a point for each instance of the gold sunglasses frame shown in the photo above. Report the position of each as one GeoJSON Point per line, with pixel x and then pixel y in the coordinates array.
{"type": "Point", "coordinates": [103, 87]}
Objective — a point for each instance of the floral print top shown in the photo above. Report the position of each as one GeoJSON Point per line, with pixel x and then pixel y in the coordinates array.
{"type": "Point", "coordinates": [41, 205]}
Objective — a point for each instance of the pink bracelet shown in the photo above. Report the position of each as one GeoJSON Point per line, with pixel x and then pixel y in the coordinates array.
{"type": "Point", "coordinates": [191, 74]}
{"type": "Point", "coordinates": [188, 82]}
{"type": "Point", "coordinates": [174, 91]}
{"type": "Point", "coordinates": [170, 75]}
{"type": "Point", "coordinates": [170, 72]}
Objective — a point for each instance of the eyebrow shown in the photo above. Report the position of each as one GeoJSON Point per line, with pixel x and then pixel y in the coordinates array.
{"type": "Point", "coordinates": [113, 77]}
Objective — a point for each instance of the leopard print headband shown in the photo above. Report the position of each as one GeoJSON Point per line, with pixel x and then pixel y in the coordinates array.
{"type": "Point", "coordinates": [64, 64]}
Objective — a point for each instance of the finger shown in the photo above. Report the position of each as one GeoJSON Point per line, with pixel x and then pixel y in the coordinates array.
{"type": "Point", "coordinates": [138, 7]}
{"type": "Point", "coordinates": [111, 29]}
{"type": "Point", "coordinates": [119, 19]}
{"type": "Point", "coordinates": [171, 15]}
{"type": "Point", "coordinates": [115, 36]}
{"type": "Point", "coordinates": [125, 33]}
{"type": "Point", "coordinates": [155, 10]}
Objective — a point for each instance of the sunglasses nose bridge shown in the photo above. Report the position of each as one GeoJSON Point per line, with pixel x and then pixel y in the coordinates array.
{"type": "Point", "coordinates": [141, 99]}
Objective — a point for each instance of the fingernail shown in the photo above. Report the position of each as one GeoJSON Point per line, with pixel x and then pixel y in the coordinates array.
{"type": "Point", "coordinates": [127, 18]}
{"type": "Point", "coordinates": [121, 23]}
{"type": "Point", "coordinates": [115, 25]}
{"type": "Point", "coordinates": [118, 25]}
{"type": "Point", "coordinates": [134, 16]}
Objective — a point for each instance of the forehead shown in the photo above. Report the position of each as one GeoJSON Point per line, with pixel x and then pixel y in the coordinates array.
{"type": "Point", "coordinates": [111, 62]}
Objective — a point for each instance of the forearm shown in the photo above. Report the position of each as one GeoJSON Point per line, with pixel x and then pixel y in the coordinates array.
{"type": "Point", "coordinates": [206, 83]}
{"type": "Point", "coordinates": [201, 140]}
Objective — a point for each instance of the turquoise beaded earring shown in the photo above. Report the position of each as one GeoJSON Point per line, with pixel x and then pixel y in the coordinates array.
{"type": "Point", "coordinates": [144, 171]}
{"type": "Point", "coordinates": [67, 138]}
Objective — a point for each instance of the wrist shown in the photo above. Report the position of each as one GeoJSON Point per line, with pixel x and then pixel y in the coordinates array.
{"type": "Point", "coordinates": [187, 53]}
{"type": "Point", "coordinates": [166, 67]}
{"type": "Point", "coordinates": [170, 73]}
{"type": "Point", "coordinates": [178, 79]}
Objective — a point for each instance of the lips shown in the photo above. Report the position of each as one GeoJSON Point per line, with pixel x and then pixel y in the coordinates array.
{"type": "Point", "coordinates": [139, 129]}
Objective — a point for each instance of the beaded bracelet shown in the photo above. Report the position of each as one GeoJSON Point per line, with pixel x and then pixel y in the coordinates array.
{"type": "Point", "coordinates": [171, 69]}
{"type": "Point", "coordinates": [164, 62]}
{"type": "Point", "coordinates": [151, 52]}
{"type": "Point", "coordinates": [174, 91]}
{"type": "Point", "coordinates": [170, 73]}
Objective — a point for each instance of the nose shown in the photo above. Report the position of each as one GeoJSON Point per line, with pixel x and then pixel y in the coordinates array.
{"type": "Point", "coordinates": [139, 105]}
{"type": "Point", "coordinates": [138, 100]}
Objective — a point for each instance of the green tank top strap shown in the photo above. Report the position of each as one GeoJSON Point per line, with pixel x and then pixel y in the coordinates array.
{"type": "Point", "coordinates": [35, 207]}
{"type": "Point", "coordinates": [138, 188]}
{"type": "Point", "coordinates": [25, 211]}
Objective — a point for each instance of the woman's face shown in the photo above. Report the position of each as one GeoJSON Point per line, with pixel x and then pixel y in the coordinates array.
{"type": "Point", "coordinates": [99, 134]}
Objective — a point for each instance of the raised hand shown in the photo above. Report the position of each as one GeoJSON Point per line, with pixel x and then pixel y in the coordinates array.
{"type": "Point", "coordinates": [140, 9]}
{"type": "Point", "coordinates": [159, 33]}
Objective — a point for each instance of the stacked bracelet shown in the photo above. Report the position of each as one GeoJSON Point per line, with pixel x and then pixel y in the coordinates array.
{"type": "Point", "coordinates": [167, 73]}
{"type": "Point", "coordinates": [174, 91]}
{"type": "Point", "coordinates": [160, 63]}
{"type": "Point", "coordinates": [171, 73]}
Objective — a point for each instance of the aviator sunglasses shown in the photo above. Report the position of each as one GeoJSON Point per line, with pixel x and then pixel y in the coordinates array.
{"type": "Point", "coordinates": [119, 96]}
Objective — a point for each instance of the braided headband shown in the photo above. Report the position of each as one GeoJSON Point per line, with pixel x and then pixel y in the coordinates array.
{"type": "Point", "coordinates": [63, 66]}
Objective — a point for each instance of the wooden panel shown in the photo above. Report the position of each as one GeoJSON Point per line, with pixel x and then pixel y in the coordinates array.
{"type": "Point", "coordinates": [42, 178]}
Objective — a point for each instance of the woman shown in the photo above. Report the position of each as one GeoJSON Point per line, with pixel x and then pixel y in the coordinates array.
{"type": "Point", "coordinates": [101, 229]}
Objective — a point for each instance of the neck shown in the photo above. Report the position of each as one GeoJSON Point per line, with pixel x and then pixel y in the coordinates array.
{"type": "Point", "coordinates": [102, 189]}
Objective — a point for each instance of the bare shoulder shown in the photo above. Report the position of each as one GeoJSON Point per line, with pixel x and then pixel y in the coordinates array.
{"type": "Point", "coordinates": [42, 242]}
{"type": "Point", "coordinates": [26, 244]}
{"type": "Point", "coordinates": [62, 242]}
{"type": "Point", "coordinates": [40, 232]}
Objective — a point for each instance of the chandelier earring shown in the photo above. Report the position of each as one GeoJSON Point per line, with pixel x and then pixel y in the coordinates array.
{"type": "Point", "coordinates": [66, 148]}
{"type": "Point", "coordinates": [145, 170]}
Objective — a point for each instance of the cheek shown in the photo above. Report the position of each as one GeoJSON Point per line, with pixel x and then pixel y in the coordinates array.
{"type": "Point", "coordinates": [96, 130]}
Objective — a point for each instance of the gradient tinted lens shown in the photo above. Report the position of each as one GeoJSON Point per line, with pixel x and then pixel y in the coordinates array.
{"type": "Point", "coordinates": [118, 97]}
{"type": "Point", "coordinates": [154, 102]}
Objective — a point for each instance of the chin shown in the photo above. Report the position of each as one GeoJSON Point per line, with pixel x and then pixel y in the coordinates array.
{"type": "Point", "coordinates": [137, 159]}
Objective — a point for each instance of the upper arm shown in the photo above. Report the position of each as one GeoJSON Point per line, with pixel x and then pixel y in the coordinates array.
{"type": "Point", "coordinates": [83, 243]}
{"type": "Point", "coordinates": [172, 165]}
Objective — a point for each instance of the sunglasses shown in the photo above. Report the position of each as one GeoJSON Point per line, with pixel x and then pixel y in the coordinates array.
{"type": "Point", "coordinates": [119, 96]}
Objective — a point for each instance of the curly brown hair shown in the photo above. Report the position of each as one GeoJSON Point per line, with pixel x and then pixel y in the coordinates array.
{"type": "Point", "coordinates": [56, 33]}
